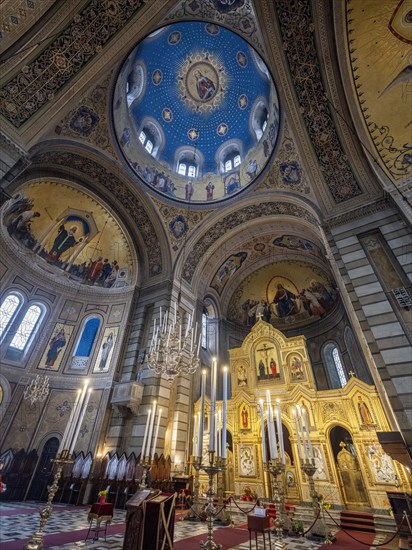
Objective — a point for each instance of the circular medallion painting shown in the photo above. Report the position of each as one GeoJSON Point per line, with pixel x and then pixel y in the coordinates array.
{"type": "Point", "coordinates": [195, 112]}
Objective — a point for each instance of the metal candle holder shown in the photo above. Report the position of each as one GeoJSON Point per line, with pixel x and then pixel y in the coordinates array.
{"type": "Point", "coordinates": [276, 468]}
{"type": "Point", "coordinates": [210, 509]}
{"type": "Point", "coordinates": [194, 511]}
{"type": "Point", "coordinates": [145, 464]}
{"type": "Point", "coordinates": [308, 466]}
{"type": "Point", "coordinates": [36, 542]}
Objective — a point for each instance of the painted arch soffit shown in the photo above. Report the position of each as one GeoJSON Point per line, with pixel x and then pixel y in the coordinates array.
{"type": "Point", "coordinates": [297, 30]}
{"type": "Point", "coordinates": [378, 38]}
{"type": "Point", "coordinates": [117, 188]}
{"type": "Point", "coordinates": [264, 209]}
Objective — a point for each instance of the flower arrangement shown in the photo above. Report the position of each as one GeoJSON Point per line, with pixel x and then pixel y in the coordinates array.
{"type": "Point", "coordinates": [249, 494]}
{"type": "Point", "coordinates": [323, 503]}
{"type": "Point", "coordinates": [103, 493]}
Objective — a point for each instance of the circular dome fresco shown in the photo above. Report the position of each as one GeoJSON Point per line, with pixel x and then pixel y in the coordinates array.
{"type": "Point", "coordinates": [196, 112]}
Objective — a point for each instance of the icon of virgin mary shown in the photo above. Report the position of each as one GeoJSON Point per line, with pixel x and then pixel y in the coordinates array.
{"type": "Point", "coordinates": [205, 87]}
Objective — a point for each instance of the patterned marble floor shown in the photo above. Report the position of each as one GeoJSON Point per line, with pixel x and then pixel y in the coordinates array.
{"type": "Point", "coordinates": [19, 521]}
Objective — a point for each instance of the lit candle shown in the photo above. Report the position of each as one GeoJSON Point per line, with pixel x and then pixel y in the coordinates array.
{"type": "Point", "coordinates": [70, 424]}
{"type": "Point", "coordinates": [280, 432]}
{"type": "Point", "coordinates": [305, 419]}
{"type": "Point", "coordinates": [80, 420]}
{"type": "Point", "coordinates": [212, 447]}
{"type": "Point", "coordinates": [262, 425]}
{"type": "Point", "coordinates": [195, 432]}
{"type": "Point", "coordinates": [149, 437]}
{"type": "Point", "coordinates": [159, 414]}
{"type": "Point", "coordinates": [305, 450]}
{"type": "Point", "coordinates": [202, 415]}
{"type": "Point", "coordinates": [271, 429]}
{"type": "Point", "coordinates": [225, 380]}
{"type": "Point", "coordinates": [297, 434]}
{"type": "Point", "coordinates": [145, 435]}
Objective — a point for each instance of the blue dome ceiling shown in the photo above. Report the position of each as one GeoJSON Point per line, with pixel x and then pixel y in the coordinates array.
{"type": "Point", "coordinates": [202, 97]}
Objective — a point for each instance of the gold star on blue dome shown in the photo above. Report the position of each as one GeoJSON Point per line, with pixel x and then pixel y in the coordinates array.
{"type": "Point", "coordinates": [222, 129]}
{"type": "Point", "coordinates": [193, 134]}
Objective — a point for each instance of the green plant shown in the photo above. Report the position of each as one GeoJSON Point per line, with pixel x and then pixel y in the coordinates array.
{"type": "Point", "coordinates": [297, 527]}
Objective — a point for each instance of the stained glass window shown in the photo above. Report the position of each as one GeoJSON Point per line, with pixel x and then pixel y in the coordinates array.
{"type": "Point", "coordinates": [26, 328]}
{"type": "Point", "coordinates": [7, 311]}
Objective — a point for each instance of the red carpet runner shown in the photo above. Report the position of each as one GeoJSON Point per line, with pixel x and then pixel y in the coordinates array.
{"type": "Point", "coordinates": [228, 537]}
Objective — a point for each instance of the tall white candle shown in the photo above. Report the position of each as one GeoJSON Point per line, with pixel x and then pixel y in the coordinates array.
{"type": "Point", "coordinates": [225, 393]}
{"type": "Point", "coordinates": [271, 429]}
{"type": "Point", "coordinates": [212, 407]}
{"type": "Point", "coordinates": [297, 434]}
{"type": "Point", "coordinates": [299, 415]}
{"type": "Point", "coordinates": [305, 420]}
{"type": "Point", "coordinates": [201, 414]}
{"type": "Point", "coordinates": [280, 432]}
{"type": "Point", "coordinates": [70, 424]}
{"type": "Point", "coordinates": [79, 421]}
{"type": "Point", "coordinates": [149, 437]}
{"type": "Point", "coordinates": [146, 430]}
{"type": "Point", "coordinates": [159, 414]}
{"type": "Point", "coordinates": [76, 415]}
{"type": "Point", "coordinates": [262, 425]}
{"type": "Point", "coordinates": [195, 434]}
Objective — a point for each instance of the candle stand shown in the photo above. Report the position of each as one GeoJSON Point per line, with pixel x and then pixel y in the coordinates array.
{"type": "Point", "coordinates": [276, 468]}
{"type": "Point", "coordinates": [194, 510]}
{"type": "Point", "coordinates": [211, 470]}
{"type": "Point", "coordinates": [145, 464]}
{"type": "Point", "coordinates": [308, 466]}
{"type": "Point", "coordinates": [36, 542]}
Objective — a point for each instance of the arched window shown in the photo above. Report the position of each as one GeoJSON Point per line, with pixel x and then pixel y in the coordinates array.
{"type": "Point", "coordinates": [204, 329]}
{"type": "Point", "coordinates": [188, 163]}
{"type": "Point", "coordinates": [27, 327]}
{"type": "Point", "coordinates": [8, 310]}
{"type": "Point", "coordinates": [231, 161]}
{"type": "Point", "coordinates": [85, 343]}
{"type": "Point", "coordinates": [334, 366]}
{"type": "Point", "coordinates": [259, 118]}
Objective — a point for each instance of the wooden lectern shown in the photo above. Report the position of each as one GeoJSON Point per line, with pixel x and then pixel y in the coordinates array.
{"type": "Point", "coordinates": [150, 521]}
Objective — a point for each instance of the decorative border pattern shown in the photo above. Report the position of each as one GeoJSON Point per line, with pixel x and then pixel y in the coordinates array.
{"type": "Point", "coordinates": [83, 38]}
{"type": "Point", "coordinates": [113, 184]}
{"type": "Point", "coordinates": [233, 220]}
{"type": "Point", "coordinates": [297, 30]}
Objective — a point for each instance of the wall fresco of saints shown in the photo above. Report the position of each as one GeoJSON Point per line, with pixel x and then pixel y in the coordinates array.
{"type": "Point", "coordinates": [283, 293]}
{"type": "Point", "coordinates": [86, 245]}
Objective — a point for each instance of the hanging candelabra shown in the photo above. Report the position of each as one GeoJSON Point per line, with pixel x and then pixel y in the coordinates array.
{"type": "Point", "coordinates": [174, 349]}
{"type": "Point", "coordinates": [37, 389]}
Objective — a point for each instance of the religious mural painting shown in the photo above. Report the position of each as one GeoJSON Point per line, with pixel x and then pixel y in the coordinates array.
{"type": "Point", "coordinates": [267, 363]}
{"type": "Point", "coordinates": [227, 270]}
{"type": "Point", "coordinates": [365, 415]}
{"type": "Point", "coordinates": [283, 294]}
{"type": "Point", "coordinates": [80, 244]}
{"type": "Point", "coordinates": [295, 367]}
{"type": "Point", "coordinates": [56, 347]}
{"type": "Point", "coordinates": [244, 416]}
{"type": "Point", "coordinates": [247, 460]}
{"type": "Point", "coordinates": [104, 356]}
{"type": "Point", "coordinates": [382, 465]}
{"type": "Point", "coordinates": [179, 118]}
{"type": "Point", "coordinates": [321, 473]}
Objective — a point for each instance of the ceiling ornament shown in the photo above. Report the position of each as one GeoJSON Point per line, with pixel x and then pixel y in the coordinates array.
{"type": "Point", "coordinates": [88, 122]}
{"type": "Point", "coordinates": [202, 82]}
{"type": "Point", "coordinates": [39, 81]}
{"type": "Point", "coordinates": [296, 25]}
{"type": "Point", "coordinates": [236, 14]}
